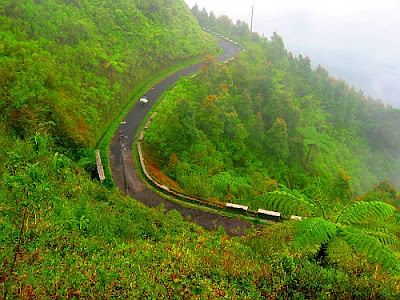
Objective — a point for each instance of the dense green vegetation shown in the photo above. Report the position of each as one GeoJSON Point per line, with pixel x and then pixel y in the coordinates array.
{"type": "Point", "coordinates": [63, 235]}
{"type": "Point", "coordinates": [270, 132]}
{"type": "Point", "coordinates": [271, 117]}
{"type": "Point", "coordinates": [67, 68]}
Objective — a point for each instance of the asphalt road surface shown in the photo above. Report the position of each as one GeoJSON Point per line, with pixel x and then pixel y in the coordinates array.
{"type": "Point", "coordinates": [121, 160]}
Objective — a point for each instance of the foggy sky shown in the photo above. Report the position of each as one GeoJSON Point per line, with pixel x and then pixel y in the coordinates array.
{"type": "Point", "coordinates": [355, 40]}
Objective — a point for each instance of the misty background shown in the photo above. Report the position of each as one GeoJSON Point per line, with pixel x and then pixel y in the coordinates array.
{"type": "Point", "coordinates": [355, 40]}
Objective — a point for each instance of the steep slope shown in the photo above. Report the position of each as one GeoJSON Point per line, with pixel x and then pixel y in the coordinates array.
{"type": "Point", "coordinates": [63, 234]}
{"type": "Point", "coordinates": [126, 176]}
{"type": "Point", "coordinates": [271, 119]}
{"type": "Point", "coordinates": [67, 67]}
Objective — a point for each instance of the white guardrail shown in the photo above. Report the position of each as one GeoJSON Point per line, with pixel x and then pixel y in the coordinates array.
{"type": "Point", "coordinates": [276, 216]}
{"type": "Point", "coordinates": [225, 38]}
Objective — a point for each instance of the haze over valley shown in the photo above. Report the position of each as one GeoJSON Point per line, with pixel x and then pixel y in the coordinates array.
{"type": "Point", "coordinates": [261, 177]}
{"type": "Point", "coordinates": [357, 41]}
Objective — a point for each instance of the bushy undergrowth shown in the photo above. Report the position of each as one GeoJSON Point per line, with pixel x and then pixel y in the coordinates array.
{"type": "Point", "coordinates": [64, 235]}
{"type": "Point", "coordinates": [70, 67]}
{"type": "Point", "coordinates": [270, 121]}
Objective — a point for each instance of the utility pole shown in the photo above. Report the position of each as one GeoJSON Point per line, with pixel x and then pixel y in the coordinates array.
{"type": "Point", "coordinates": [251, 23]}
{"type": "Point", "coordinates": [122, 148]}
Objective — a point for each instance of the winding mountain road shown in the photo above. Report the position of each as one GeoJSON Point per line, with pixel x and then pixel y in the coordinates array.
{"type": "Point", "coordinates": [122, 162]}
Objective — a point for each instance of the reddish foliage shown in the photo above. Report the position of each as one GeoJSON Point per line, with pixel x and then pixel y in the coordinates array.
{"type": "Point", "coordinates": [173, 160]}
{"type": "Point", "coordinates": [224, 86]}
{"type": "Point", "coordinates": [160, 177]}
{"type": "Point", "coordinates": [280, 120]}
{"type": "Point", "coordinates": [212, 97]}
{"type": "Point", "coordinates": [271, 185]}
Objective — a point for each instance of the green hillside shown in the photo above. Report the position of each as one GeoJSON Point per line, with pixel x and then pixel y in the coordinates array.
{"type": "Point", "coordinates": [68, 69]}
{"type": "Point", "coordinates": [269, 117]}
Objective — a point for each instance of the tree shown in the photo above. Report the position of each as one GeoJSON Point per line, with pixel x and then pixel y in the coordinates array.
{"type": "Point", "coordinates": [212, 20]}
{"type": "Point", "coordinates": [277, 52]}
{"type": "Point", "coordinates": [195, 10]}
{"type": "Point", "coordinates": [281, 105]}
{"type": "Point", "coordinates": [276, 140]}
{"type": "Point", "coordinates": [242, 29]}
{"type": "Point", "coordinates": [341, 189]}
{"type": "Point", "coordinates": [209, 119]}
{"type": "Point", "coordinates": [329, 227]}
{"type": "Point", "coordinates": [243, 105]}
{"type": "Point", "coordinates": [113, 63]}
{"type": "Point", "coordinates": [314, 140]}
{"type": "Point", "coordinates": [256, 131]}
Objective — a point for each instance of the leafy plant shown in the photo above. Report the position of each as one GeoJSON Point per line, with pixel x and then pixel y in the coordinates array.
{"type": "Point", "coordinates": [350, 224]}
{"type": "Point", "coordinates": [287, 203]}
{"type": "Point", "coordinates": [315, 140]}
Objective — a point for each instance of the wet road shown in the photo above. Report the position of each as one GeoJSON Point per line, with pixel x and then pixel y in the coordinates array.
{"type": "Point", "coordinates": [121, 160]}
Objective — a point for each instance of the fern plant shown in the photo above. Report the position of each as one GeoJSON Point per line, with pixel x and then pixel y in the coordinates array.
{"type": "Point", "coordinates": [353, 226]}
{"type": "Point", "coordinates": [287, 203]}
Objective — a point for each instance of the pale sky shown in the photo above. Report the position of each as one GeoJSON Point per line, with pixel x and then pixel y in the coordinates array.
{"type": "Point", "coordinates": [333, 8]}
{"type": "Point", "coordinates": [356, 40]}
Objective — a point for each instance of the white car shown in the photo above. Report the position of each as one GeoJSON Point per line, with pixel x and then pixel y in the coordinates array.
{"type": "Point", "coordinates": [144, 100]}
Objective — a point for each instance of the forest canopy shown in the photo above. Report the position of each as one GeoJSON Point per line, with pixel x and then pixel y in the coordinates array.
{"type": "Point", "coordinates": [266, 130]}
{"type": "Point", "coordinates": [68, 67]}
{"type": "Point", "coordinates": [271, 116]}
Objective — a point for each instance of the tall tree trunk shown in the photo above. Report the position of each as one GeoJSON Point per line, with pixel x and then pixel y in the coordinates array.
{"type": "Point", "coordinates": [308, 156]}
{"type": "Point", "coordinates": [322, 253]}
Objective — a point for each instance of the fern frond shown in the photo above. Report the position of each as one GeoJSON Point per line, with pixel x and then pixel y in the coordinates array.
{"type": "Point", "coordinates": [284, 203]}
{"type": "Point", "coordinates": [340, 252]}
{"type": "Point", "coordinates": [313, 231]}
{"type": "Point", "coordinates": [384, 236]}
{"type": "Point", "coordinates": [86, 161]}
{"type": "Point", "coordinates": [365, 211]}
{"type": "Point", "coordinates": [374, 250]}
